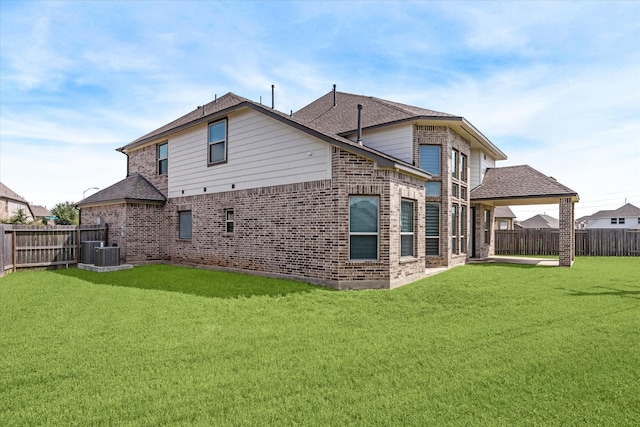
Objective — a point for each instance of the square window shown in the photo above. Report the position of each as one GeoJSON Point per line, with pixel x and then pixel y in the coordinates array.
{"type": "Point", "coordinates": [620, 220]}
{"type": "Point", "coordinates": [454, 190]}
{"type": "Point", "coordinates": [463, 193]}
{"type": "Point", "coordinates": [432, 189]}
{"type": "Point", "coordinates": [184, 225]}
{"type": "Point", "coordinates": [614, 220]}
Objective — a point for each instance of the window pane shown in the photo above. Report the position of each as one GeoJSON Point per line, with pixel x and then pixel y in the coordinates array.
{"type": "Point", "coordinates": [406, 245]}
{"type": "Point", "coordinates": [454, 190]}
{"type": "Point", "coordinates": [430, 159]}
{"type": "Point", "coordinates": [184, 224]}
{"type": "Point", "coordinates": [163, 167]}
{"type": "Point", "coordinates": [217, 131]}
{"type": "Point", "coordinates": [432, 219]}
{"type": "Point", "coordinates": [432, 189]}
{"type": "Point", "coordinates": [163, 151]}
{"type": "Point", "coordinates": [363, 247]}
{"type": "Point", "coordinates": [216, 152]}
{"type": "Point", "coordinates": [454, 163]}
{"type": "Point", "coordinates": [406, 216]}
{"type": "Point", "coordinates": [433, 246]}
{"type": "Point", "coordinates": [463, 167]}
{"type": "Point", "coordinates": [363, 214]}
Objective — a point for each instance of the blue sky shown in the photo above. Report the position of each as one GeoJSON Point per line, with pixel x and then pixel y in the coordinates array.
{"type": "Point", "coordinates": [555, 85]}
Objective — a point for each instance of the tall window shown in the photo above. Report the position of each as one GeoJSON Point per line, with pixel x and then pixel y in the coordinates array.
{"type": "Point", "coordinates": [454, 163]}
{"type": "Point", "coordinates": [218, 142]}
{"type": "Point", "coordinates": [432, 229]}
{"type": "Point", "coordinates": [430, 159]}
{"type": "Point", "coordinates": [184, 224]}
{"type": "Point", "coordinates": [463, 168]}
{"type": "Point", "coordinates": [363, 227]}
{"type": "Point", "coordinates": [228, 216]}
{"type": "Point", "coordinates": [406, 228]}
{"type": "Point", "coordinates": [454, 229]}
{"type": "Point", "coordinates": [486, 225]}
{"type": "Point", "coordinates": [163, 159]}
{"type": "Point", "coordinates": [463, 229]}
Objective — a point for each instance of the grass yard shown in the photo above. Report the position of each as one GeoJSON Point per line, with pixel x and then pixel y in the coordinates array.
{"type": "Point", "coordinates": [490, 345]}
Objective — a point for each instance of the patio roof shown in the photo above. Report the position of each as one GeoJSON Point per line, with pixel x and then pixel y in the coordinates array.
{"type": "Point", "coordinates": [519, 185]}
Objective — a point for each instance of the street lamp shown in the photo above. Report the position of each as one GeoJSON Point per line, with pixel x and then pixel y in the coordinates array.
{"type": "Point", "coordinates": [85, 191]}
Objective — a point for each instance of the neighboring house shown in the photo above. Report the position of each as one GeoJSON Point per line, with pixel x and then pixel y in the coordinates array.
{"type": "Point", "coordinates": [40, 212]}
{"type": "Point", "coordinates": [539, 221]}
{"type": "Point", "coordinates": [627, 216]}
{"type": "Point", "coordinates": [503, 218]}
{"type": "Point", "coordinates": [11, 203]}
{"type": "Point", "coordinates": [350, 191]}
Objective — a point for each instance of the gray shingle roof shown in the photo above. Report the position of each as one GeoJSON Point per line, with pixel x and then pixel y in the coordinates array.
{"type": "Point", "coordinates": [133, 188]}
{"type": "Point", "coordinates": [503, 212]}
{"type": "Point", "coordinates": [231, 102]}
{"type": "Point", "coordinates": [7, 193]}
{"type": "Point", "coordinates": [342, 118]}
{"type": "Point", "coordinates": [522, 181]}
{"type": "Point", "coordinates": [624, 211]}
{"type": "Point", "coordinates": [539, 221]}
{"type": "Point", "coordinates": [40, 211]}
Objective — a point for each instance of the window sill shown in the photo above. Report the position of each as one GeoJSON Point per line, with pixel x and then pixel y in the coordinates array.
{"type": "Point", "coordinates": [364, 262]}
{"type": "Point", "coordinates": [221, 162]}
{"type": "Point", "coordinates": [408, 259]}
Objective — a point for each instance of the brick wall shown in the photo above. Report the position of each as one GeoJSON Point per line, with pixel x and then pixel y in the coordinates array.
{"type": "Point", "coordinates": [115, 216]}
{"type": "Point", "coordinates": [448, 140]}
{"type": "Point", "coordinates": [144, 162]}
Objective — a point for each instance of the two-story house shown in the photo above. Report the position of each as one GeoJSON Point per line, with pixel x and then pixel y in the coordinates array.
{"type": "Point", "coordinates": [350, 191]}
{"type": "Point", "coordinates": [626, 216]}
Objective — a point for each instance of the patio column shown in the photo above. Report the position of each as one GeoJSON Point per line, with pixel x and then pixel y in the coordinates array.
{"type": "Point", "coordinates": [567, 239]}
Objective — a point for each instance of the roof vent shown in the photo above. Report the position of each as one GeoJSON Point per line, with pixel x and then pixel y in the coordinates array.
{"type": "Point", "coordinates": [273, 102]}
{"type": "Point", "coordinates": [334, 95]}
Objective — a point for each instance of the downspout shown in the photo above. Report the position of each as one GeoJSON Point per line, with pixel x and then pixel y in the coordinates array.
{"type": "Point", "coordinates": [359, 140]}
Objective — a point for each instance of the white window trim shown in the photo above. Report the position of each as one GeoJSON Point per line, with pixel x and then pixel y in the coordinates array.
{"type": "Point", "coordinates": [221, 141]}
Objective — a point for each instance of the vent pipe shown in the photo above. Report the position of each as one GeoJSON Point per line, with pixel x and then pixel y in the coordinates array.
{"type": "Point", "coordinates": [273, 96]}
{"type": "Point", "coordinates": [359, 140]}
{"type": "Point", "coordinates": [334, 95]}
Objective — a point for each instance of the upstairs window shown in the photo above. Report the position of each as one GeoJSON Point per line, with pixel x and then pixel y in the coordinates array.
{"type": "Point", "coordinates": [430, 159]}
{"type": "Point", "coordinates": [454, 163]}
{"type": "Point", "coordinates": [620, 220]}
{"type": "Point", "coordinates": [463, 168]}
{"type": "Point", "coordinates": [163, 159]}
{"type": "Point", "coordinates": [218, 142]}
{"type": "Point", "coordinates": [363, 227]}
{"type": "Point", "coordinates": [406, 228]}
{"type": "Point", "coordinates": [614, 220]}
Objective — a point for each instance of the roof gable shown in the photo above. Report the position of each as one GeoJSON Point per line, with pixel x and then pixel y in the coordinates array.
{"type": "Point", "coordinates": [503, 212]}
{"type": "Point", "coordinates": [540, 221]}
{"type": "Point", "coordinates": [513, 182]}
{"type": "Point", "coordinates": [230, 102]}
{"type": "Point", "coordinates": [135, 187]}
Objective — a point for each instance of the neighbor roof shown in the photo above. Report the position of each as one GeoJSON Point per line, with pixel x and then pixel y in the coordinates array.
{"type": "Point", "coordinates": [40, 211]}
{"type": "Point", "coordinates": [503, 212]}
{"type": "Point", "coordinates": [624, 211]}
{"type": "Point", "coordinates": [232, 102]}
{"type": "Point", "coordinates": [519, 182]}
{"type": "Point", "coordinates": [133, 188]}
{"type": "Point", "coordinates": [539, 221]}
{"type": "Point", "coordinates": [7, 193]}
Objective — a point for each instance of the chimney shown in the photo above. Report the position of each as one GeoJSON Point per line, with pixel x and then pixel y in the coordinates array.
{"type": "Point", "coordinates": [359, 140]}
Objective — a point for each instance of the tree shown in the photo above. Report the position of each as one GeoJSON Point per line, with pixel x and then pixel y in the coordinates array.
{"type": "Point", "coordinates": [19, 217]}
{"type": "Point", "coordinates": [66, 212]}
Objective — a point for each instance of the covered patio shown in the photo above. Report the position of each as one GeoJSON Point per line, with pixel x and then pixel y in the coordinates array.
{"type": "Point", "coordinates": [520, 185]}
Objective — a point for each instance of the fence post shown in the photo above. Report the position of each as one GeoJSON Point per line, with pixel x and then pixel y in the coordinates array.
{"type": "Point", "coordinates": [14, 252]}
{"type": "Point", "coordinates": [78, 237]}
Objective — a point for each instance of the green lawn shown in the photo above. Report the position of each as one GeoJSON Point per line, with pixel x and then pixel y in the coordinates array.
{"type": "Point", "coordinates": [492, 344]}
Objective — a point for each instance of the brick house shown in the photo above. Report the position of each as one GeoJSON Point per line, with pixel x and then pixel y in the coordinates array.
{"type": "Point", "coordinates": [349, 192]}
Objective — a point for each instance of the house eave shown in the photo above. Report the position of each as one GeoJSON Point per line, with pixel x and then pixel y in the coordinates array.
{"type": "Point", "coordinates": [524, 200]}
{"type": "Point", "coordinates": [119, 201]}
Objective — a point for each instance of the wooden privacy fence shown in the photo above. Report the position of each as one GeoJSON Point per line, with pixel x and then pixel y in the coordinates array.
{"type": "Point", "coordinates": [590, 242]}
{"type": "Point", "coordinates": [24, 246]}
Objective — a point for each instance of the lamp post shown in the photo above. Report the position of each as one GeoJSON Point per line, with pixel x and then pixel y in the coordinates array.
{"type": "Point", "coordinates": [90, 188]}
